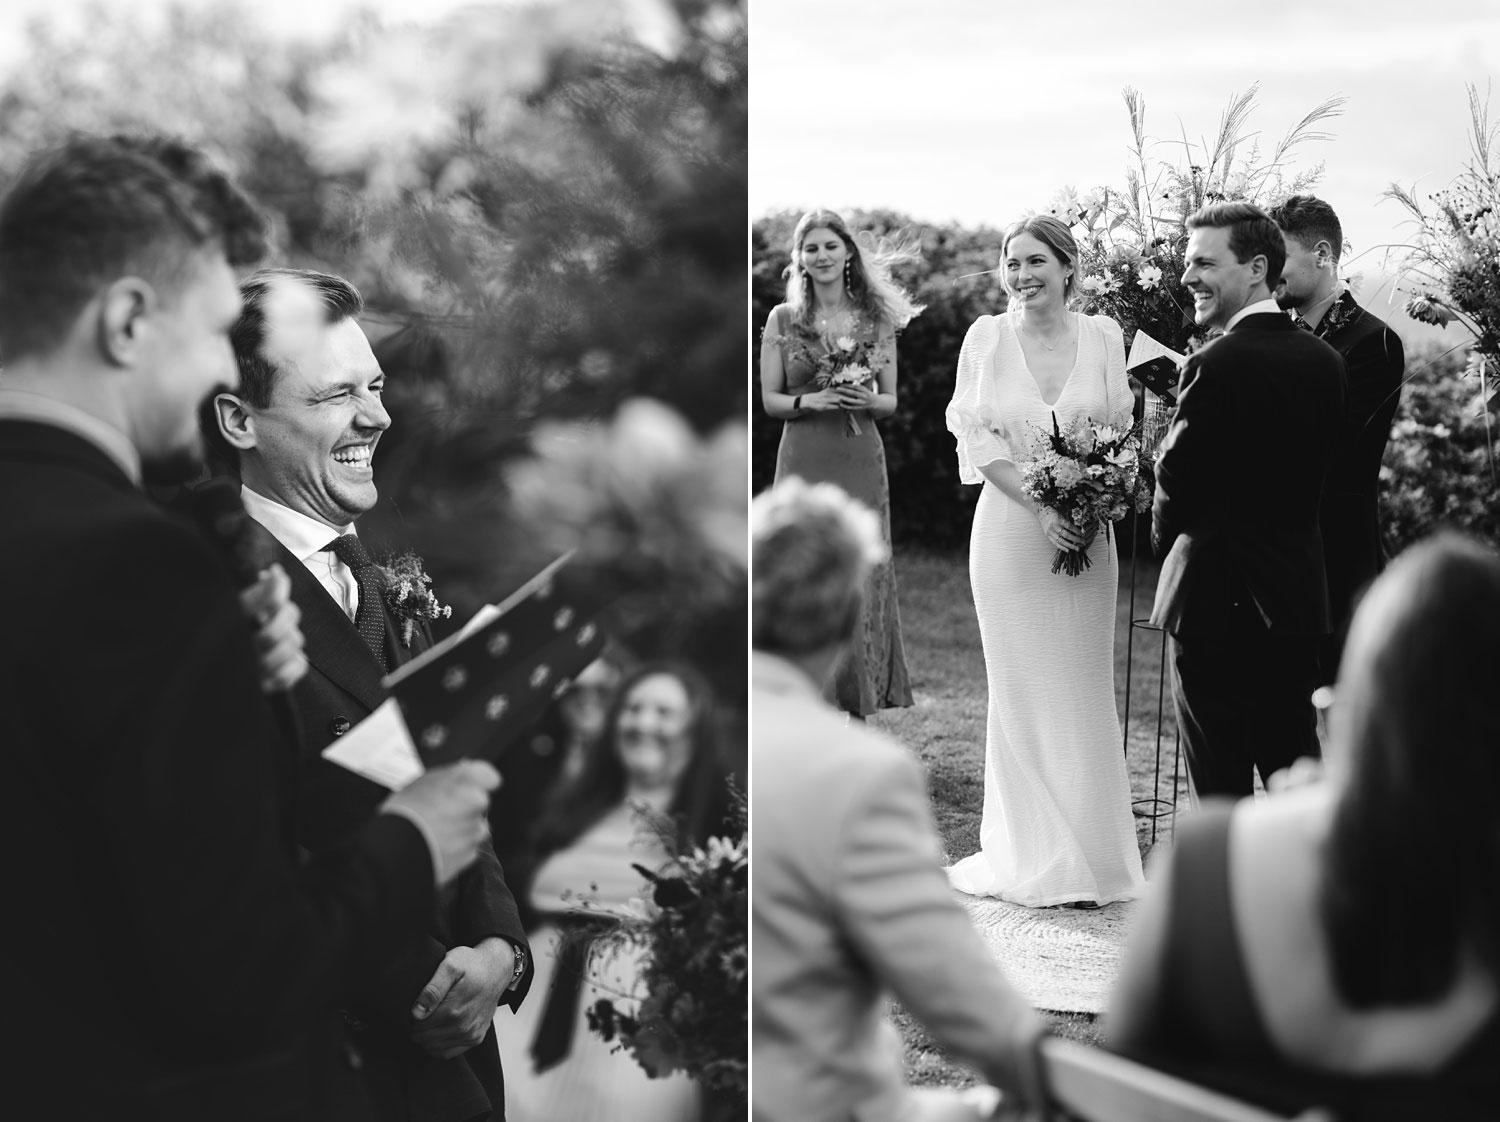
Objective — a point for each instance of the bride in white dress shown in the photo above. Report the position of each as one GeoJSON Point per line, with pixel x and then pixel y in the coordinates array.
{"type": "Point", "coordinates": [1057, 825]}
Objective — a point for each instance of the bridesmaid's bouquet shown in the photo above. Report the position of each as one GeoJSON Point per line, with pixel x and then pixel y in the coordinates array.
{"type": "Point", "coordinates": [847, 362]}
{"type": "Point", "coordinates": [1088, 474]}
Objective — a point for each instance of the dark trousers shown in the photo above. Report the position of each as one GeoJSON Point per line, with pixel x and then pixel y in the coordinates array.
{"type": "Point", "coordinates": [1244, 703]}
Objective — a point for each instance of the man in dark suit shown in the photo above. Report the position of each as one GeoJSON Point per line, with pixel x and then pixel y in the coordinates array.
{"type": "Point", "coordinates": [304, 423]}
{"type": "Point", "coordinates": [1242, 593]}
{"type": "Point", "coordinates": [171, 958]}
{"type": "Point", "coordinates": [1375, 363]}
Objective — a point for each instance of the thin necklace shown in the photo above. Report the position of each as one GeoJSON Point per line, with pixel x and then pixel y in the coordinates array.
{"type": "Point", "coordinates": [835, 314]}
{"type": "Point", "coordinates": [1067, 325]}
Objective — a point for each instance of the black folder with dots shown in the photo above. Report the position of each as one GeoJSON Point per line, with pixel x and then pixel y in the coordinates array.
{"type": "Point", "coordinates": [477, 692]}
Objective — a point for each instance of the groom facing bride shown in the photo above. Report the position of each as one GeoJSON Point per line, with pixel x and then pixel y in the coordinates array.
{"type": "Point", "coordinates": [1242, 594]}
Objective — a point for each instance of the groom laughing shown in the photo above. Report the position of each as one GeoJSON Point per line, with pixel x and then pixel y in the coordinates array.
{"type": "Point", "coordinates": [1242, 594]}
{"type": "Point", "coordinates": [304, 424]}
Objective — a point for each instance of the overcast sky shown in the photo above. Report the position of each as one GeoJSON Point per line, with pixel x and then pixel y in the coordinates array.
{"type": "Point", "coordinates": [976, 110]}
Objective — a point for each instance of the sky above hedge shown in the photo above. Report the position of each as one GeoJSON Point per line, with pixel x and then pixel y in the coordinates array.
{"type": "Point", "coordinates": [976, 110]}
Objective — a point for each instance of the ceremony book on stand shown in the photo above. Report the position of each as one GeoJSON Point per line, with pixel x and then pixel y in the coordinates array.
{"type": "Point", "coordinates": [472, 695]}
{"type": "Point", "coordinates": [1154, 366]}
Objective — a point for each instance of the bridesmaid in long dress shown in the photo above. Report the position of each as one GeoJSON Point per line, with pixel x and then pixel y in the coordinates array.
{"type": "Point", "coordinates": [836, 291]}
{"type": "Point", "coordinates": [1057, 825]}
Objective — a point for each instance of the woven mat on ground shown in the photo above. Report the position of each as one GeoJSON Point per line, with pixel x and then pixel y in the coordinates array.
{"type": "Point", "coordinates": [1062, 959]}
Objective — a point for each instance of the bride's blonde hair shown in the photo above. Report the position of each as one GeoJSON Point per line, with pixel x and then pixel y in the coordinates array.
{"type": "Point", "coordinates": [867, 275]}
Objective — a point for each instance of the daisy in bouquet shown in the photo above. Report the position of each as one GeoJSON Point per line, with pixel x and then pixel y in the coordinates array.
{"type": "Point", "coordinates": [842, 360]}
{"type": "Point", "coordinates": [847, 362]}
{"type": "Point", "coordinates": [1088, 474]}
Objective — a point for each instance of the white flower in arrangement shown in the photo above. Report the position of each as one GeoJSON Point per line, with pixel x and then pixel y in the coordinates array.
{"type": "Point", "coordinates": [1093, 285]}
{"type": "Point", "coordinates": [854, 374]}
{"type": "Point", "coordinates": [844, 343]}
{"type": "Point", "coordinates": [1065, 206]}
{"type": "Point", "coordinates": [1148, 277]}
{"type": "Point", "coordinates": [1107, 433]}
{"type": "Point", "coordinates": [1123, 458]}
{"type": "Point", "coordinates": [1123, 253]}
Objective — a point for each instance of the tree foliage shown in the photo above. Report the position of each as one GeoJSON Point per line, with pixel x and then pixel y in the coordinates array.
{"type": "Point", "coordinates": [545, 215]}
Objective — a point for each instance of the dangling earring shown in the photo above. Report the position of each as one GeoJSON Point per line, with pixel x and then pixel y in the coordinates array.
{"type": "Point", "coordinates": [849, 276]}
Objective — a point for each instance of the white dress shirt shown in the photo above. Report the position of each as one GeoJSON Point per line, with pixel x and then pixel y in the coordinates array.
{"type": "Point", "coordinates": [1255, 309]}
{"type": "Point", "coordinates": [307, 539]}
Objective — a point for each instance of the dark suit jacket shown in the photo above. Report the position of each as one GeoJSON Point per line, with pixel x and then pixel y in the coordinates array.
{"type": "Point", "coordinates": [341, 688]}
{"type": "Point", "coordinates": [1350, 518]}
{"type": "Point", "coordinates": [1239, 482]}
{"type": "Point", "coordinates": [166, 957]}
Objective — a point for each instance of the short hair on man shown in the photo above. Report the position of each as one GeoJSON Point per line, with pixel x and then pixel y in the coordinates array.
{"type": "Point", "coordinates": [813, 547]}
{"type": "Point", "coordinates": [340, 299]}
{"type": "Point", "coordinates": [1310, 220]}
{"type": "Point", "coordinates": [94, 209]}
{"type": "Point", "coordinates": [1252, 233]}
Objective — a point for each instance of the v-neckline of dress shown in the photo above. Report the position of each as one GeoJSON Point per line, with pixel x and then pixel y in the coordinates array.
{"type": "Point", "coordinates": [1015, 334]}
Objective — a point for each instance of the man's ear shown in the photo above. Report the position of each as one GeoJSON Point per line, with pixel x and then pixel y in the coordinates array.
{"type": "Point", "coordinates": [1260, 271]}
{"type": "Point", "coordinates": [123, 323]}
{"type": "Point", "coordinates": [236, 422]}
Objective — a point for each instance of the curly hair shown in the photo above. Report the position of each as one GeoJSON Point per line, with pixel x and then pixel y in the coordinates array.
{"type": "Point", "coordinates": [867, 275]}
{"type": "Point", "coordinates": [1415, 730]}
{"type": "Point", "coordinates": [94, 209]}
{"type": "Point", "coordinates": [812, 550]}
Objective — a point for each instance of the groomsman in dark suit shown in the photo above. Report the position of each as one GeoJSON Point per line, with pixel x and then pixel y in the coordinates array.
{"type": "Point", "coordinates": [169, 957]}
{"type": "Point", "coordinates": [1242, 593]}
{"type": "Point", "coordinates": [304, 423]}
{"type": "Point", "coordinates": [1375, 363]}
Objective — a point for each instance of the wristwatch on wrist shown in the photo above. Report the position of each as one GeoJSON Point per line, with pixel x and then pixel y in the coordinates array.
{"type": "Point", "coordinates": [520, 965]}
{"type": "Point", "coordinates": [797, 404]}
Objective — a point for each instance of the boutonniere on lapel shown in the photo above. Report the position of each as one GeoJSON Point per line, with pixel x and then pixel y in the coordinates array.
{"type": "Point", "coordinates": [408, 595]}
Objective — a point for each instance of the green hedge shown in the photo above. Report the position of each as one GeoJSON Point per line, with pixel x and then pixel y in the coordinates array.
{"type": "Point", "coordinates": [1440, 469]}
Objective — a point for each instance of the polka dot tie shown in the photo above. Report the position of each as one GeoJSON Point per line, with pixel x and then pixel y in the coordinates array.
{"type": "Point", "coordinates": [369, 617]}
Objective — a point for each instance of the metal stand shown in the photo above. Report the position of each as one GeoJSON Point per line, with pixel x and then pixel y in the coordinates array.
{"type": "Point", "coordinates": [1156, 807]}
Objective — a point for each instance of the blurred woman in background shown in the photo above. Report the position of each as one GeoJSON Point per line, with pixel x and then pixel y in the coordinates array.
{"type": "Point", "coordinates": [660, 752]}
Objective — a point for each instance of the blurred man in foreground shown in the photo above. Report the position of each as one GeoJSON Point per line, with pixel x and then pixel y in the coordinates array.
{"type": "Point", "coordinates": [172, 961]}
{"type": "Point", "coordinates": [850, 905]}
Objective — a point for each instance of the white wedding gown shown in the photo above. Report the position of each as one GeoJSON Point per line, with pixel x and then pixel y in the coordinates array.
{"type": "Point", "coordinates": [1057, 824]}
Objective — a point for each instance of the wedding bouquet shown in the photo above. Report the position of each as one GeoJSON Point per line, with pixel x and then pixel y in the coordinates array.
{"type": "Point", "coordinates": [1088, 474]}
{"type": "Point", "coordinates": [846, 362]}
{"type": "Point", "coordinates": [694, 1016]}
{"type": "Point", "coordinates": [842, 360]}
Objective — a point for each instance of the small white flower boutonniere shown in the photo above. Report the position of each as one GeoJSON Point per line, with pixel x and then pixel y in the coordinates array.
{"type": "Point", "coordinates": [408, 595]}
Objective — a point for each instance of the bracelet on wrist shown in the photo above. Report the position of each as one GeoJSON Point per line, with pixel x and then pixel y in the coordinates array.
{"type": "Point", "coordinates": [797, 404]}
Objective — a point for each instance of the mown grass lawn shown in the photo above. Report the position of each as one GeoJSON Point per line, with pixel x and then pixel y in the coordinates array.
{"type": "Point", "coordinates": [946, 730]}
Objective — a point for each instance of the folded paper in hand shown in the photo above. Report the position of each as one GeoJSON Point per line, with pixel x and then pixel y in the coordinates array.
{"type": "Point", "coordinates": [1155, 366]}
{"type": "Point", "coordinates": [475, 693]}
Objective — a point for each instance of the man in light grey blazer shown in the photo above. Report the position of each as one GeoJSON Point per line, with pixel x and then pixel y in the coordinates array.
{"type": "Point", "coordinates": [850, 904]}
